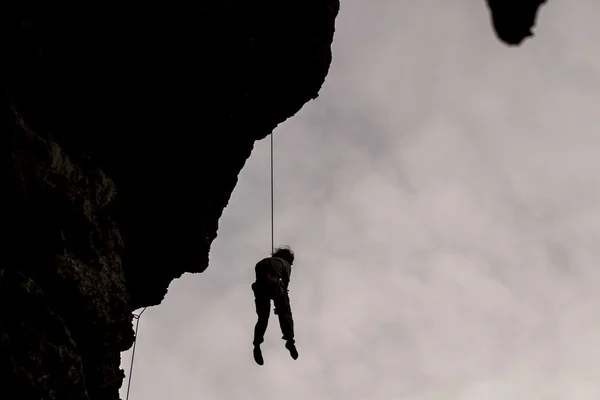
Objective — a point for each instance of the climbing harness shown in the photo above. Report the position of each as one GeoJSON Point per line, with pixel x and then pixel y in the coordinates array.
{"type": "Point", "coordinates": [137, 323]}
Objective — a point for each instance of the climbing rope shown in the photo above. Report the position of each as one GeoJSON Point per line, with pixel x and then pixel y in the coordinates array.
{"type": "Point", "coordinates": [137, 317]}
{"type": "Point", "coordinates": [272, 206]}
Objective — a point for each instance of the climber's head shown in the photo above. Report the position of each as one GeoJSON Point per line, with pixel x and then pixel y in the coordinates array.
{"type": "Point", "coordinates": [285, 253]}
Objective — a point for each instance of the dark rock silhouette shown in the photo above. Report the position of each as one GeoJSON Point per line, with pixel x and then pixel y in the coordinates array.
{"type": "Point", "coordinates": [124, 125]}
{"type": "Point", "coordinates": [513, 20]}
{"type": "Point", "coordinates": [123, 128]}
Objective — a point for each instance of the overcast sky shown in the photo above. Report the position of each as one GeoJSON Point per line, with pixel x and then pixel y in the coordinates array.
{"type": "Point", "coordinates": [443, 199]}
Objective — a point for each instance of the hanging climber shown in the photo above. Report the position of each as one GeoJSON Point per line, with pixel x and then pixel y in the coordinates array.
{"type": "Point", "coordinates": [272, 280]}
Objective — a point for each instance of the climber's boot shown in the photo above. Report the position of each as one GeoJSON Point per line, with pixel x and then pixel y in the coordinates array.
{"type": "Point", "coordinates": [292, 349]}
{"type": "Point", "coordinates": [258, 357]}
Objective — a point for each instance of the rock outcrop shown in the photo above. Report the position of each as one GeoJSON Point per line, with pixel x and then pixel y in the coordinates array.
{"type": "Point", "coordinates": [123, 128]}
{"type": "Point", "coordinates": [513, 20]}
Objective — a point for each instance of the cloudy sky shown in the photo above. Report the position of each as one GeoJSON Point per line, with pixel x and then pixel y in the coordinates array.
{"type": "Point", "coordinates": [443, 199]}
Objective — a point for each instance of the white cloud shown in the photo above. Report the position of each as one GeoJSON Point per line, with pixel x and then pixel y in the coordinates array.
{"type": "Point", "coordinates": [442, 198]}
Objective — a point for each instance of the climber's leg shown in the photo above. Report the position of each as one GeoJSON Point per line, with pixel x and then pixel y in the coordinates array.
{"type": "Point", "coordinates": [286, 322]}
{"type": "Point", "coordinates": [263, 310]}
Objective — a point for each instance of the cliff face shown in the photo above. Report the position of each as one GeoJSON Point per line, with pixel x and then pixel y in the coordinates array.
{"type": "Point", "coordinates": [123, 128]}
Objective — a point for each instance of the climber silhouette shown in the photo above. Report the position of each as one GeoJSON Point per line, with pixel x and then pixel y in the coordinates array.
{"type": "Point", "coordinates": [272, 281]}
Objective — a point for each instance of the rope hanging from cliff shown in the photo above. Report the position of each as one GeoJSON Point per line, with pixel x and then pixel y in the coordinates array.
{"type": "Point", "coordinates": [272, 206]}
{"type": "Point", "coordinates": [137, 317]}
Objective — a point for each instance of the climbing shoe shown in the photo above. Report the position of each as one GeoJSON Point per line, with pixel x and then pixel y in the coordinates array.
{"type": "Point", "coordinates": [258, 357]}
{"type": "Point", "coordinates": [292, 349]}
